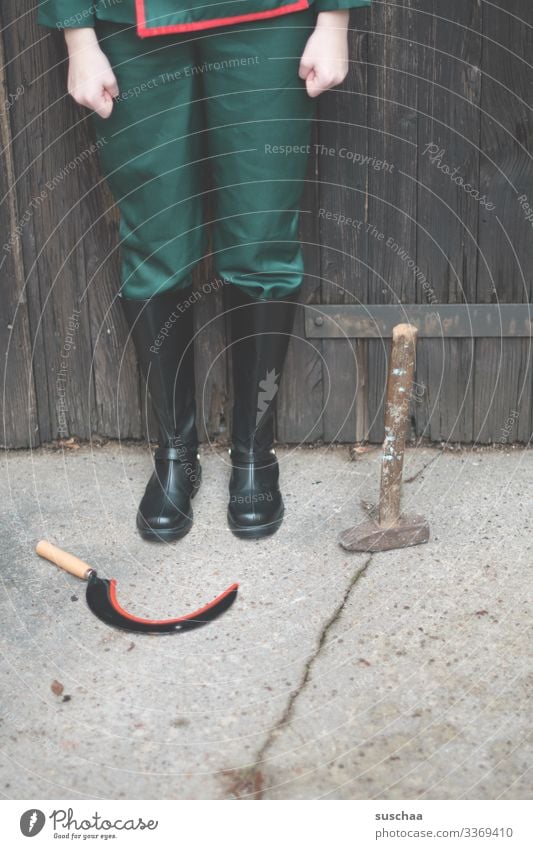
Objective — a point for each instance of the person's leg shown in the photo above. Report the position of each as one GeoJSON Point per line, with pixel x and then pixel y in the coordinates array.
{"type": "Point", "coordinates": [162, 332]}
{"type": "Point", "coordinates": [259, 117]}
{"type": "Point", "coordinates": [260, 334]}
{"type": "Point", "coordinates": [149, 149]}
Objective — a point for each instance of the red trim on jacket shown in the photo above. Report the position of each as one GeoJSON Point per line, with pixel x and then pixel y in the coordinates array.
{"type": "Point", "coordinates": [143, 30]}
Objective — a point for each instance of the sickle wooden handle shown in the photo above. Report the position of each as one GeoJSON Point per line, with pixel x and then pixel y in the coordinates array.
{"type": "Point", "coordinates": [63, 559]}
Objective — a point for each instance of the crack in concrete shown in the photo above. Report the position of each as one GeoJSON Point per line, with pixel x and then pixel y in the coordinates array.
{"type": "Point", "coordinates": [423, 469]}
{"type": "Point", "coordinates": [248, 783]}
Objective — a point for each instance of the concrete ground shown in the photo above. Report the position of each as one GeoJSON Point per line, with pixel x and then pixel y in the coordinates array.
{"type": "Point", "coordinates": [398, 675]}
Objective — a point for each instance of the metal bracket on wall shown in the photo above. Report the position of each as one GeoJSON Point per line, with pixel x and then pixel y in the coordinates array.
{"type": "Point", "coordinates": [375, 321]}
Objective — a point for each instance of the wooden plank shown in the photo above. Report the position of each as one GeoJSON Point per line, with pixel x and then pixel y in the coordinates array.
{"type": "Point", "coordinates": [392, 200]}
{"type": "Point", "coordinates": [44, 427]}
{"type": "Point", "coordinates": [114, 366]}
{"type": "Point", "coordinates": [17, 399]}
{"type": "Point", "coordinates": [49, 159]}
{"type": "Point", "coordinates": [343, 186]}
{"type": "Point", "coordinates": [449, 86]}
{"type": "Point", "coordinates": [421, 86]}
{"type": "Point", "coordinates": [503, 372]}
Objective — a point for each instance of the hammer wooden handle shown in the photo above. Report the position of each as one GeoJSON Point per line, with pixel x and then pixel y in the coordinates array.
{"type": "Point", "coordinates": [63, 559]}
{"type": "Point", "coordinates": [399, 389]}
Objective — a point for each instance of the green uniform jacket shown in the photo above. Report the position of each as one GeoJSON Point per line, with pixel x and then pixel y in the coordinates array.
{"type": "Point", "coordinates": [160, 17]}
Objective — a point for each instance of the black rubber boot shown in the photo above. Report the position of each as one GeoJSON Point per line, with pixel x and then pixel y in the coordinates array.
{"type": "Point", "coordinates": [260, 332]}
{"type": "Point", "coordinates": [162, 334]}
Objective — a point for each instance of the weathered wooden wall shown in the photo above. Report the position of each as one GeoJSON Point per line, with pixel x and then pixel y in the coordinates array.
{"type": "Point", "coordinates": [453, 73]}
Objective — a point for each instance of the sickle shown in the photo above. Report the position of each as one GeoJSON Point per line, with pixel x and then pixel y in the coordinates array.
{"type": "Point", "coordinates": [102, 599]}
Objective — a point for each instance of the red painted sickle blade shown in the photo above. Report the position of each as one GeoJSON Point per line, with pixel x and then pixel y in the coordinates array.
{"type": "Point", "coordinates": [102, 600]}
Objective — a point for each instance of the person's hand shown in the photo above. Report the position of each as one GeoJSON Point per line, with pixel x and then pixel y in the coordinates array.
{"type": "Point", "coordinates": [324, 62]}
{"type": "Point", "coordinates": [91, 81]}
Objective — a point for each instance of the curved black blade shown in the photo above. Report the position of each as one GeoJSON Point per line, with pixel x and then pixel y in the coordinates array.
{"type": "Point", "coordinates": [102, 600]}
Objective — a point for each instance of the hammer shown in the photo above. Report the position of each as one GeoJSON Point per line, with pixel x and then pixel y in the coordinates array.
{"type": "Point", "coordinates": [387, 528]}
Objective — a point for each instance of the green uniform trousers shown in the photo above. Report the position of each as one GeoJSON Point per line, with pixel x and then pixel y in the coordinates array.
{"type": "Point", "coordinates": [209, 125]}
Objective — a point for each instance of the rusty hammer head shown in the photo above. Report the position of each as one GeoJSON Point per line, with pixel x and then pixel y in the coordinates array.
{"type": "Point", "coordinates": [371, 536]}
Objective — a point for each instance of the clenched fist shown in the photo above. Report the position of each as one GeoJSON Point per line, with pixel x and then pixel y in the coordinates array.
{"type": "Point", "coordinates": [324, 62]}
{"type": "Point", "coordinates": [91, 80]}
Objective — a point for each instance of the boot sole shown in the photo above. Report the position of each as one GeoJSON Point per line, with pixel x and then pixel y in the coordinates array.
{"type": "Point", "coordinates": [165, 534]}
{"type": "Point", "coordinates": [256, 531]}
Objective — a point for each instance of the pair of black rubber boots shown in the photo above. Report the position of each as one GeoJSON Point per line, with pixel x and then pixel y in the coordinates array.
{"type": "Point", "coordinates": [162, 330]}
